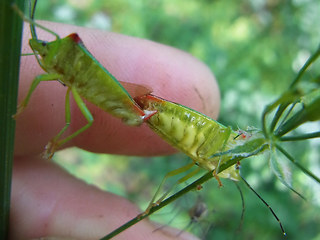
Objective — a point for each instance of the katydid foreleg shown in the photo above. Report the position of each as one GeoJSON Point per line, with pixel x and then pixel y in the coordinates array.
{"type": "Point", "coordinates": [35, 83]}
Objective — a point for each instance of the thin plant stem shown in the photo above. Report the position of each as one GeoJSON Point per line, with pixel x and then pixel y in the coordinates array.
{"type": "Point", "coordinates": [170, 199]}
{"type": "Point", "coordinates": [298, 165]}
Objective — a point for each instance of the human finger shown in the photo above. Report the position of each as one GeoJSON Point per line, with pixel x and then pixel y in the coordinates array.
{"type": "Point", "coordinates": [48, 203]}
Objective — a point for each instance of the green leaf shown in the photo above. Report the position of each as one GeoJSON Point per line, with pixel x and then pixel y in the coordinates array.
{"type": "Point", "coordinates": [309, 112]}
{"type": "Point", "coordinates": [282, 170]}
{"type": "Point", "coordinates": [10, 44]}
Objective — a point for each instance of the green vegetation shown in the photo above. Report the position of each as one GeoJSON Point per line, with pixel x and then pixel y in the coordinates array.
{"type": "Point", "coordinates": [255, 49]}
{"type": "Point", "coordinates": [10, 41]}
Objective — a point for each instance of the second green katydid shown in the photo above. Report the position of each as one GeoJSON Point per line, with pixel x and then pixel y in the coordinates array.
{"type": "Point", "coordinates": [208, 143]}
{"type": "Point", "coordinates": [68, 61]}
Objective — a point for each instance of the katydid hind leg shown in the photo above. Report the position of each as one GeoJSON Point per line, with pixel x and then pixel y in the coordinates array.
{"type": "Point", "coordinates": [56, 142]}
{"type": "Point", "coordinates": [175, 172]}
{"type": "Point", "coordinates": [180, 180]}
{"type": "Point", "coordinates": [53, 143]}
{"type": "Point", "coordinates": [243, 208]}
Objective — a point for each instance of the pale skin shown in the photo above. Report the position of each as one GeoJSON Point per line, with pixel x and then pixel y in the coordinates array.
{"type": "Point", "coordinates": [47, 201]}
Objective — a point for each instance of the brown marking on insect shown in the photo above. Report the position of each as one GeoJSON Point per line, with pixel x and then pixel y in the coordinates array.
{"type": "Point", "coordinates": [75, 37]}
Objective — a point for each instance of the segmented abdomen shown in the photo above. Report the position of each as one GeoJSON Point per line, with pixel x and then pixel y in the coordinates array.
{"type": "Point", "coordinates": [191, 132]}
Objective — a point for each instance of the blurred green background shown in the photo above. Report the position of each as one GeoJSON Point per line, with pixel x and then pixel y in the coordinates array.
{"type": "Point", "coordinates": [255, 49]}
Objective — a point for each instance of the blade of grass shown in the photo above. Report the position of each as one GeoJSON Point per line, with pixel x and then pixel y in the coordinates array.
{"type": "Point", "coordinates": [10, 47]}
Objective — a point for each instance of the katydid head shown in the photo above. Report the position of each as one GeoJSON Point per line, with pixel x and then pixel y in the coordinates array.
{"type": "Point", "coordinates": [44, 51]}
{"type": "Point", "coordinates": [39, 47]}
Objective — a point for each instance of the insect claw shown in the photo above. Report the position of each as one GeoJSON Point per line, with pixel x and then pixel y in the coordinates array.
{"type": "Point", "coordinates": [50, 149]}
{"type": "Point", "coordinates": [217, 177]}
{"type": "Point", "coordinates": [20, 109]}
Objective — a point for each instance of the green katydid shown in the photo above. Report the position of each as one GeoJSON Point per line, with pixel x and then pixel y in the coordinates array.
{"type": "Point", "coordinates": [208, 143]}
{"type": "Point", "coordinates": [68, 61]}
